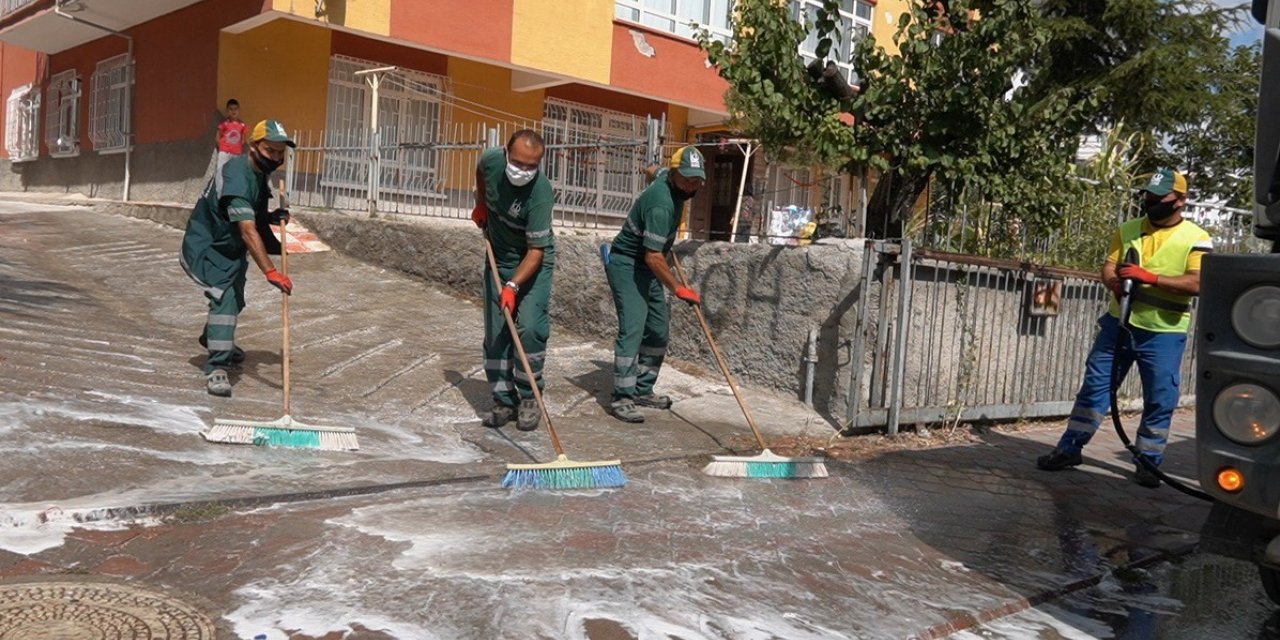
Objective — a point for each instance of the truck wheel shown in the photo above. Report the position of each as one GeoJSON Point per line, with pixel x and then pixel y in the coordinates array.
{"type": "Point", "coordinates": [1270, 582]}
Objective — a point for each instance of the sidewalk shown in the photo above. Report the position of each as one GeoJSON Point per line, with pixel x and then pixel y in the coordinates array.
{"type": "Point", "coordinates": [107, 483]}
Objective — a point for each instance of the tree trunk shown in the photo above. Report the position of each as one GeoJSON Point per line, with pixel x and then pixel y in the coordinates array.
{"type": "Point", "coordinates": [893, 200]}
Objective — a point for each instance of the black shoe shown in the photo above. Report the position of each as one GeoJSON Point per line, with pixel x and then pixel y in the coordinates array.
{"type": "Point", "coordinates": [500, 416]}
{"type": "Point", "coordinates": [530, 415]}
{"type": "Point", "coordinates": [237, 354]}
{"type": "Point", "coordinates": [625, 410]}
{"type": "Point", "coordinates": [1057, 460]}
{"type": "Point", "coordinates": [653, 402]}
{"type": "Point", "coordinates": [1145, 477]}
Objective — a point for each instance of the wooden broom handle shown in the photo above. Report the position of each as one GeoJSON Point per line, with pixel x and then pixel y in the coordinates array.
{"type": "Point", "coordinates": [715, 351]}
{"type": "Point", "coordinates": [515, 338]}
{"type": "Point", "coordinates": [284, 303]}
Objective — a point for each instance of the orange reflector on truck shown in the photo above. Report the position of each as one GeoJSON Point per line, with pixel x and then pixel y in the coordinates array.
{"type": "Point", "coordinates": [1230, 480]}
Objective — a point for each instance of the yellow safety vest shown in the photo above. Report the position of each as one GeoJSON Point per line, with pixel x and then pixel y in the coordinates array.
{"type": "Point", "coordinates": [1155, 309]}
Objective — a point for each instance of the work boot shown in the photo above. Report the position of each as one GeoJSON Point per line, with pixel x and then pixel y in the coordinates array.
{"type": "Point", "coordinates": [500, 416]}
{"type": "Point", "coordinates": [653, 402]}
{"type": "Point", "coordinates": [237, 354]}
{"type": "Point", "coordinates": [530, 415]}
{"type": "Point", "coordinates": [1145, 477]}
{"type": "Point", "coordinates": [1057, 460]}
{"type": "Point", "coordinates": [218, 383]}
{"type": "Point", "coordinates": [625, 410]}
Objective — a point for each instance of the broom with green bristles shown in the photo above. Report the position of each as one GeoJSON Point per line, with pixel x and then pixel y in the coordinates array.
{"type": "Point", "coordinates": [767, 464]}
{"type": "Point", "coordinates": [285, 431]}
{"type": "Point", "coordinates": [561, 473]}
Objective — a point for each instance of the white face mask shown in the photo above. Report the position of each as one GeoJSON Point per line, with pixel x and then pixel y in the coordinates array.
{"type": "Point", "coordinates": [520, 177]}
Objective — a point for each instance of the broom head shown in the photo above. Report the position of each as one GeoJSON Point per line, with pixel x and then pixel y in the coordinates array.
{"type": "Point", "coordinates": [766, 465]}
{"type": "Point", "coordinates": [563, 473]}
{"type": "Point", "coordinates": [285, 432]}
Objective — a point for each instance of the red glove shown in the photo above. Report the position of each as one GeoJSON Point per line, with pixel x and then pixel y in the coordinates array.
{"type": "Point", "coordinates": [507, 299]}
{"type": "Point", "coordinates": [1117, 289]}
{"type": "Point", "coordinates": [480, 215]}
{"type": "Point", "coordinates": [280, 281]}
{"type": "Point", "coordinates": [688, 295]}
{"type": "Point", "coordinates": [1136, 273]}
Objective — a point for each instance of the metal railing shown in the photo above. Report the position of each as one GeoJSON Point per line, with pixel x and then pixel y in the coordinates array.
{"type": "Point", "coordinates": [595, 179]}
{"type": "Point", "coordinates": [946, 338]}
{"type": "Point", "coordinates": [11, 6]}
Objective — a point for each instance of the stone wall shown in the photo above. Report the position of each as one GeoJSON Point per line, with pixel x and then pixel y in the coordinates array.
{"type": "Point", "coordinates": [760, 300]}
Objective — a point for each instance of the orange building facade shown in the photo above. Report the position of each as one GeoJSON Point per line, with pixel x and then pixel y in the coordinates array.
{"type": "Point", "coordinates": [121, 97]}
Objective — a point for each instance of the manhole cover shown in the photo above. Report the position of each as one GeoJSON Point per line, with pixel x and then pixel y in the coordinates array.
{"type": "Point", "coordinates": [94, 611]}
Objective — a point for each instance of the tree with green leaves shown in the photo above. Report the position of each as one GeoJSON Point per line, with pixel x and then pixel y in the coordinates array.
{"type": "Point", "coordinates": [945, 105]}
{"type": "Point", "coordinates": [1215, 146]}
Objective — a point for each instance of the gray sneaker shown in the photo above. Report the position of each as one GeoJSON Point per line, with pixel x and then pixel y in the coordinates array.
{"type": "Point", "coordinates": [218, 383]}
{"type": "Point", "coordinates": [500, 416]}
{"type": "Point", "coordinates": [530, 415]}
{"type": "Point", "coordinates": [653, 402]}
{"type": "Point", "coordinates": [625, 410]}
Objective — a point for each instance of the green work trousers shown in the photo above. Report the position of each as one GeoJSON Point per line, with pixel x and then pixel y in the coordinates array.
{"type": "Point", "coordinates": [502, 367]}
{"type": "Point", "coordinates": [643, 320]}
{"type": "Point", "coordinates": [220, 326]}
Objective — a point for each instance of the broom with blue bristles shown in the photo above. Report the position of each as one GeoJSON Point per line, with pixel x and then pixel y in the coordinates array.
{"type": "Point", "coordinates": [285, 431]}
{"type": "Point", "coordinates": [767, 464]}
{"type": "Point", "coordinates": [561, 473]}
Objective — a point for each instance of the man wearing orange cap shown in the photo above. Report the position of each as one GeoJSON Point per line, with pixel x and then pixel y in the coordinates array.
{"type": "Point", "coordinates": [222, 232]}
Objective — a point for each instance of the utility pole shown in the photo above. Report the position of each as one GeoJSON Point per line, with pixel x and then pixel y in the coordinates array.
{"type": "Point", "coordinates": [374, 78]}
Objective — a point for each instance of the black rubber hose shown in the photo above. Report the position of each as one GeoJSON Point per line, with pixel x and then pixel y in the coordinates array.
{"type": "Point", "coordinates": [1132, 258]}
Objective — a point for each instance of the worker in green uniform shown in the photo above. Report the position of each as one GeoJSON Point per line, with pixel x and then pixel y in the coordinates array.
{"type": "Point", "coordinates": [639, 276]}
{"type": "Point", "coordinates": [513, 205]}
{"type": "Point", "coordinates": [222, 230]}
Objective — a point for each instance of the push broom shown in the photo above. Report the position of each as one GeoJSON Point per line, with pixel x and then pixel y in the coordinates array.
{"type": "Point", "coordinates": [767, 464]}
{"type": "Point", "coordinates": [561, 473]}
{"type": "Point", "coordinates": [285, 431]}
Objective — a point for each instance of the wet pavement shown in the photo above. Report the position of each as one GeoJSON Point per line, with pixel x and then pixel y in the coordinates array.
{"type": "Point", "coordinates": [106, 480]}
{"type": "Point", "coordinates": [1192, 598]}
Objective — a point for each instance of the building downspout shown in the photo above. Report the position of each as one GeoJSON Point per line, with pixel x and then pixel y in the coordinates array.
{"type": "Point", "coordinates": [128, 147]}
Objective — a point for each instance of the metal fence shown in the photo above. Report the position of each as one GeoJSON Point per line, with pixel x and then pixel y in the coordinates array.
{"type": "Point", "coordinates": [11, 6]}
{"type": "Point", "coordinates": [944, 338]}
{"type": "Point", "coordinates": [432, 173]}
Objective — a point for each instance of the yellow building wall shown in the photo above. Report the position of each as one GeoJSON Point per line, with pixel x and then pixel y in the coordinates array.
{"type": "Point", "coordinates": [884, 22]}
{"type": "Point", "coordinates": [373, 16]}
{"type": "Point", "coordinates": [678, 123]}
{"type": "Point", "coordinates": [279, 70]}
{"type": "Point", "coordinates": [570, 38]}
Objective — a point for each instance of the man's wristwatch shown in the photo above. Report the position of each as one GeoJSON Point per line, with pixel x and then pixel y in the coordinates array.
{"type": "Point", "coordinates": [512, 285]}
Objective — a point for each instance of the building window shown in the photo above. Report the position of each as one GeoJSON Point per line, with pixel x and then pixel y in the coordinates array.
{"type": "Point", "coordinates": [109, 108]}
{"type": "Point", "coordinates": [854, 25]}
{"type": "Point", "coordinates": [411, 111]}
{"type": "Point", "coordinates": [62, 119]}
{"type": "Point", "coordinates": [594, 156]}
{"type": "Point", "coordinates": [676, 16]}
{"type": "Point", "coordinates": [21, 119]}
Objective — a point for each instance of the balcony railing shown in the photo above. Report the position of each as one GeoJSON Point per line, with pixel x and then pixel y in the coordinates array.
{"type": "Point", "coordinates": [10, 6]}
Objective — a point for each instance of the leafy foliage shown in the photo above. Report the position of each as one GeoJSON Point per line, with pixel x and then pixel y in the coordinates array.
{"type": "Point", "coordinates": [943, 103]}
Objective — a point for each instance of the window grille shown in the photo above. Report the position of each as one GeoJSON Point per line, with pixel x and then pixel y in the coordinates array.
{"type": "Point", "coordinates": [109, 109]}
{"type": "Point", "coordinates": [62, 119]}
{"type": "Point", "coordinates": [22, 113]}
{"type": "Point", "coordinates": [411, 109]}
{"type": "Point", "coordinates": [603, 174]}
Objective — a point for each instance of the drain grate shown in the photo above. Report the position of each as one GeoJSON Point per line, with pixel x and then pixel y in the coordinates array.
{"type": "Point", "coordinates": [93, 611]}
